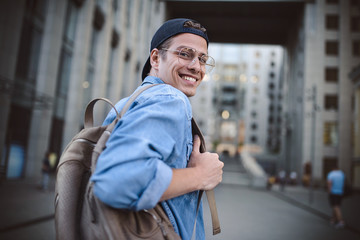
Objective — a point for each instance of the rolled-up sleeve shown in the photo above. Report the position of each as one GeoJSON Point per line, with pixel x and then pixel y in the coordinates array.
{"type": "Point", "coordinates": [135, 169]}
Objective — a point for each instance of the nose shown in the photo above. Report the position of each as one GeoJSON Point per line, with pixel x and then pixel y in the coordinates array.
{"type": "Point", "coordinates": [195, 65]}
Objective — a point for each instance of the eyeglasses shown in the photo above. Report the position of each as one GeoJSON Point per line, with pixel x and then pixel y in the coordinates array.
{"type": "Point", "coordinates": [188, 56]}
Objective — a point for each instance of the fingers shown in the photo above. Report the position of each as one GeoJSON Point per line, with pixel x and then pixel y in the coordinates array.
{"type": "Point", "coordinates": [196, 144]}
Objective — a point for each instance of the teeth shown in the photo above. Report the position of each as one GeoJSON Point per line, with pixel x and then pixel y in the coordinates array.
{"type": "Point", "coordinates": [190, 79]}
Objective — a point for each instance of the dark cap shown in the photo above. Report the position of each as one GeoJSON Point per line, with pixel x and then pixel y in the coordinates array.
{"type": "Point", "coordinates": [167, 30]}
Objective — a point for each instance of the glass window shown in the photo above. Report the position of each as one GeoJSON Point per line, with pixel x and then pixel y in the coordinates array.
{"type": "Point", "coordinates": [29, 50]}
{"type": "Point", "coordinates": [331, 74]}
{"type": "Point", "coordinates": [332, 48]}
{"type": "Point", "coordinates": [70, 22]}
{"type": "Point", "coordinates": [332, 22]}
{"type": "Point", "coordinates": [330, 134]}
{"type": "Point", "coordinates": [356, 48]}
{"type": "Point", "coordinates": [332, 1]}
{"type": "Point", "coordinates": [355, 24]}
{"type": "Point", "coordinates": [331, 102]}
{"type": "Point", "coordinates": [355, 2]}
{"type": "Point", "coordinates": [62, 84]}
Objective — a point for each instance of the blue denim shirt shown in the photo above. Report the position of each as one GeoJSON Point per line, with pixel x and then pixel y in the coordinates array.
{"type": "Point", "coordinates": [135, 168]}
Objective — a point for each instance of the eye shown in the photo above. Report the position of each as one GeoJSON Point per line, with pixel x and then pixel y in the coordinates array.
{"type": "Point", "coordinates": [203, 59]}
{"type": "Point", "coordinates": [185, 53]}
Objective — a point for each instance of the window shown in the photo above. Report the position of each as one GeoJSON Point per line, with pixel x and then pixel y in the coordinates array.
{"type": "Point", "coordinates": [254, 126]}
{"type": "Point", "coordinates": [332, 48]}
{"type": "Point", "coordinates": [355, 24]}
{"type": "Point", "coordinates": [331, 102]}
{"type": "Point", "coordinates": [270, 120]}
{"type": "Point", "coordinates": [356, 48]}
{"type": "Point", "coordinates": [332, 1]}
{"type": "Point", "coordinates": [253, 139]}
{"type": "Point", "coordinates": [355, 2]}
{"type": "Point", "coordinates": [331, 74]}
{"type": "Point", "coordinates": [271, 108]}
{"type": "Point", "coordinates": [330, 134]}
{"type": "Point", "coordinates": [332, 22]}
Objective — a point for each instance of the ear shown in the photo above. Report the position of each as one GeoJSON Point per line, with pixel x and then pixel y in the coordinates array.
{"type": "Point", "coordinates": [155, 58]}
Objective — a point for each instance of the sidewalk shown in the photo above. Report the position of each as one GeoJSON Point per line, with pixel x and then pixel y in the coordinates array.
{"type": "Point", "coordinates": [317, 203]}
{"type": "Point", "coordinates": [245, 213]}
{"type": "Point", "coordinates": [26, 211]}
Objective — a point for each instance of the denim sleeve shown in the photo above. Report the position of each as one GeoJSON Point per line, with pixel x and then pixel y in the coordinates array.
{"type": "Point", "coordinates": [134, 170]}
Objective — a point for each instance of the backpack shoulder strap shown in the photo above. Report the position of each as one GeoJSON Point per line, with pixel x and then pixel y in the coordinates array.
{"type": "Point", "coordinates": [105, 136]}
{"type": "Point", "coordinates": [209, 193]}
{"type": "Point", "coordinates": [89, 119]}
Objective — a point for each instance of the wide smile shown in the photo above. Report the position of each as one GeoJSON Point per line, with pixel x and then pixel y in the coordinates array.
{"type": "Point", "coordinates": [188, 78]}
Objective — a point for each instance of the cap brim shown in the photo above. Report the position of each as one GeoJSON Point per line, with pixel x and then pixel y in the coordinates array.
{"type": "Point", "coordinates": [146, 69]}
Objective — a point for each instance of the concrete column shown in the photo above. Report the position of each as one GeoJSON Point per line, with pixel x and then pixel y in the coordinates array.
{"type": "Point", "coordinates": [357, 124]}
{"type": "Point", "coordinates": [102, 57]}
{"type": "Point", "coordinates": [345, 90]}
{"type": "Point", "coordinates": [313, 76]}
{"type": "Point", "coordinates": [78, 72]}
{"type": "Point", "coordinates": [133, 81]}
{"type": "Point", "coordinates": [41, 119]}
{"type": "Point", "coordinates": [119, 55]}
{"type": "Point", "coordinates": [143, 46]}
{"type": "Point", "coordinates": [11, 19]}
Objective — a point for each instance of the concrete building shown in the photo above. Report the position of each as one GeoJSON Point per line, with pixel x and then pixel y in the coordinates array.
{"type": "Point", "coordinates": [355, 77]}
{"type": "Point", "coordinates": [322, 50]}
{"type": "Point", "coordinates": [321, 42]}
{"type": "Point", "coordinates": [56, 56]}
{"type": "Point", "coordinates": [245, 106]}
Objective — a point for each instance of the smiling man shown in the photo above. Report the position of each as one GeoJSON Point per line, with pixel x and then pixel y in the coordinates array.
{"type": "Point", "coordinates": [153, 157]}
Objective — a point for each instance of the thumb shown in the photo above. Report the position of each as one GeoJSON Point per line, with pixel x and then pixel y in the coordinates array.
{"type": "Point", "coordinates": [196, 144]}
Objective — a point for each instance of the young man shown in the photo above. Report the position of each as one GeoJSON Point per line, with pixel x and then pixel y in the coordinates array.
{"type": "Point", "coordinates": [336, 181]}
{"type": "Point", "coordinates": [152, 157]}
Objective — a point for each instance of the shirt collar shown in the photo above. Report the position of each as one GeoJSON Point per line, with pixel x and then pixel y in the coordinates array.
{"type": "Point", "coordinates": [151, 80]}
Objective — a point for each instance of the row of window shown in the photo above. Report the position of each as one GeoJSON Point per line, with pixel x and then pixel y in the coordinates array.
{"type": "Point", "coordinates": [332, 48]}
{"type": "Point", "coordinates": [352, 2]}
{"type": "Point", "coordinates": [332, 22]}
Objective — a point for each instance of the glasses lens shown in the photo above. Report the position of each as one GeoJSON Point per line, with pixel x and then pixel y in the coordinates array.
{"type": "Point", "coordinates": [187, 55]}
{"type": "Point", "coordinates": [210, 64]}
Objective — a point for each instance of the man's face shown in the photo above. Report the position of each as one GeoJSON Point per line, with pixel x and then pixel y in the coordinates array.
{"type": "Point", "coordinates": [185, 77]}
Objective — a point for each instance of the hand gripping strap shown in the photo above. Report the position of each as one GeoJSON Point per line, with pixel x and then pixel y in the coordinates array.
{"type": "Point", "coordinates": [209, 193]}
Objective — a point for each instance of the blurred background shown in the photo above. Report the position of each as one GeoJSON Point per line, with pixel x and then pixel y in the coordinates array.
{"type": "Point", "coordinates": [282, 104]}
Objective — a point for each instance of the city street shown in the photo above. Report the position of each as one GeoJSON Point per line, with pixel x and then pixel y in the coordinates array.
{"type": "Point", "coordinates": [245, 213]}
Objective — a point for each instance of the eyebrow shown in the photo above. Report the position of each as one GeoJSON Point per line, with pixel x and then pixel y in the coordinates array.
{"type": "Point", "coordinates": [183, 46]}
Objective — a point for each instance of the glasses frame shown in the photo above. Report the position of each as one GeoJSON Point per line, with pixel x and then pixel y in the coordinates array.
{"type": "Point", "coordinates": [208, 66]}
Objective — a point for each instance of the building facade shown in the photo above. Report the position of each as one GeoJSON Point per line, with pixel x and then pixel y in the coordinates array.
{"type": "Point", "coordinates": [319, 95]}
{"type": "Point", "coordinates": [244, 97]}
{"type": "Point", "coordinates": [56, 57]}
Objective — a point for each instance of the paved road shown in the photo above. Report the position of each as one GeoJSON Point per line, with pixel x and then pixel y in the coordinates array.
{"type": "Point", "coordinates": [245, 213]}
{"type": "Point", "coordinates": [250, 214]}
